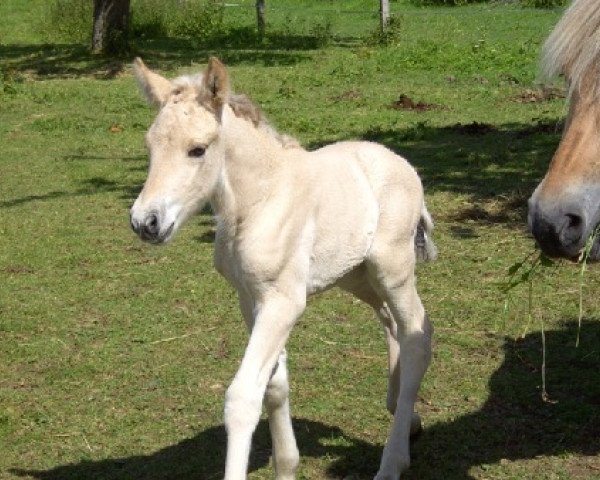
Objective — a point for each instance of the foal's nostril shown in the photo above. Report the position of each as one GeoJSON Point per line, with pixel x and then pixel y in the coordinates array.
{"type": "Point", "coordinates": [149, 228]}
{"type": "Point", "coordinates": [152, 224]}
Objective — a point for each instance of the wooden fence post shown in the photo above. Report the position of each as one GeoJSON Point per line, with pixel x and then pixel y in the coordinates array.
{"type": "Point", "coordinates": [384, 10]}
{"type": "Point", "coordinates": [260, 18]}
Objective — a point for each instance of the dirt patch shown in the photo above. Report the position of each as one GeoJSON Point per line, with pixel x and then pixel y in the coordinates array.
{"type": "Point", "coordinates": [581, 467]}
{"type": "Point", "coordinates": [500, 209]}
{"type": "Point", "coordinates": [538, 95]}
{"type": "Point", "coordinates": [17, 269]}
{"type": "Point", "coordinates": [404, 102]}
{"type": "Point", "coordinates": [349, 95]}
{"type": "Point", "coordinates": [542, 126]}
{"type": "Point", "coordinates": [473, 128]}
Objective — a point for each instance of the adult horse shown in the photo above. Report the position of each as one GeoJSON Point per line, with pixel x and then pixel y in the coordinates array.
{"type": "Point", "coordinates": [564, 210]}
{"type": "Point", "coordinates": [290, 223]}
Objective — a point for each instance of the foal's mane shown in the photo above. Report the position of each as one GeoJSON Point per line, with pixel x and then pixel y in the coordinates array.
{"type": "Point", "coordinates": [573, 48]}
{"type": "Point", "coordinates": [240, 104]}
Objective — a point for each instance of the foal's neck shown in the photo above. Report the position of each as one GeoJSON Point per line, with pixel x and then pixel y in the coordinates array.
{"type": "Point", "coordinates": [253, 163]}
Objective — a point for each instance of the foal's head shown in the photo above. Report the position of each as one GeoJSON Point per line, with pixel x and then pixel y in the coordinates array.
{"type": "Point", "coordinates": [183, 142]}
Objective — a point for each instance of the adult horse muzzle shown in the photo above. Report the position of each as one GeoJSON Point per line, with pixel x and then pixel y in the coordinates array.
{"type": "Point", "coordinates": [562, 231]}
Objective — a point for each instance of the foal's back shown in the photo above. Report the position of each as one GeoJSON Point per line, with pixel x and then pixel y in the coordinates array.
{"type": "Point", "coordinates": [360, 193]}
{"type": "Point", "coordinates": [381, 181]}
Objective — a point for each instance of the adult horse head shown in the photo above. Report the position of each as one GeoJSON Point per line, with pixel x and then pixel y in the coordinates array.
{"type": "Point", "coordinates": [564, 210]}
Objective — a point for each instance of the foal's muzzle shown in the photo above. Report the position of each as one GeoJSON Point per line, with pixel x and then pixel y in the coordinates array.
{"type": "Point", "coordinates": [149, 228]}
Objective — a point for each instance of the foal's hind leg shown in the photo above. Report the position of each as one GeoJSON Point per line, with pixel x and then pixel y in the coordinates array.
{"type": "Point", "coordinates": [357, 284]}
{"type": "Point", "coordinates": [285, 451]}
{"type": "Point", "coordinates": [391, 272]}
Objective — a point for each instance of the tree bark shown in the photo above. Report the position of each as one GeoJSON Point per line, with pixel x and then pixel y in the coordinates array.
{"type": "Point", "coordinates": [260, 18]}
{"type": "Point", "coordinates": [384, 10]}
{"type": "Point", "coordinates": [111, 26]}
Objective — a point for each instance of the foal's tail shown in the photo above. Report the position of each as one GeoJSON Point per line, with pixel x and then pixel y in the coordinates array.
{"type": "Point", "coordinates": [424, 247]}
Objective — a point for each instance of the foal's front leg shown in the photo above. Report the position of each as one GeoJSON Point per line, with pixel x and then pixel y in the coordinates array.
{"type": "Point", "coordinates": [285, 451]}
{"type": "Point", "coordinates": [274, 319]}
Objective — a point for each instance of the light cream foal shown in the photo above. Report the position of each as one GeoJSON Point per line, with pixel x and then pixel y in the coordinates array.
{"type": "Point", "coordinates": [290, 223]}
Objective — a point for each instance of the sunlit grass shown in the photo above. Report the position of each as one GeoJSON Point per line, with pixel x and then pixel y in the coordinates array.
{"type": "Point", "coordinates": [115, 355]}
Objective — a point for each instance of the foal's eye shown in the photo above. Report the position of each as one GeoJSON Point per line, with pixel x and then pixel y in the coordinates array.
{"type": "Point", "coordinates": [196, 152]}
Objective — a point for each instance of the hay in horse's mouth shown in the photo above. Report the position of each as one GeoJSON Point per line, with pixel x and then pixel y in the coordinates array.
{"type": "Point", "coordinates": [591, 250]}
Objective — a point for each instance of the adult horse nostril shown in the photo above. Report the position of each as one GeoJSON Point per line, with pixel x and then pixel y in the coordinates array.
{"type": "Point", "coordinates": [572, 230]}
{"type": "Point", "coordinates": [575, 221]}
{"type": "Point", "coordinates": [559, 234]}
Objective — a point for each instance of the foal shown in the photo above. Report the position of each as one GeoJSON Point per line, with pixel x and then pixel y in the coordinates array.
{"type": "Point", "coordinates": [290, 223]}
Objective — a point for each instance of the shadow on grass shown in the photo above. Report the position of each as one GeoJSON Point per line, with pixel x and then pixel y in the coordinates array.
{"type": "Point", "coordinates": [469, 159]}
{"type": "Point", "coordinates": [91, 186]}
{"type": "Point", "coordinates": [234, 47]}
{"type": "Point", "coordinates": [56, 61]}
{"type": "Point", "coordinates": [514, 424]}
{"type": "Point", "coordinates": [203, 456]}
{"type": "Point", "coordinates": [494, 169]}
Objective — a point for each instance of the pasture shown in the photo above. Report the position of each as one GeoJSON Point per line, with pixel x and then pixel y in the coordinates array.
{"type": "Point", "coordinates": [115, 355]}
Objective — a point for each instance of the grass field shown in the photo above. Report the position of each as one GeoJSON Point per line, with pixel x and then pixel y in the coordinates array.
{"type": "Point", "coordinates": [115, 355]}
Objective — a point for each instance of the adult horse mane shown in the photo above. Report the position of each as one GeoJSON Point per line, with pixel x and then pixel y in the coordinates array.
{"type": "Point", "coordinates": [573, 48]}
{"type": "Point", "coordinates": [564, 210]}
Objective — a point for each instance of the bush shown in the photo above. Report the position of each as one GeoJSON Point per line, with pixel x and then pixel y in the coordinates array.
{"type": "Point", "coordinates": [177, 18]}
{"type": "Point", "coordinates": [525, 3]}
{"type": "Point", "coordinates": [451, 3]}
{"type": "Point", "coordinates": [389, 36]}
{"type": "Point", "coordinates": [69, 20]}
{"type": "Point", "coordinates": [543, 3]}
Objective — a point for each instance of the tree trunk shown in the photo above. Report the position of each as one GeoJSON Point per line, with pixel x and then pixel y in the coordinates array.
{"type": "Point", "coordinates": [384, 10]}
{"type": "Point", "coordinates": [260, 18]}
{"type": "Point", "coordinates": [111, 26]}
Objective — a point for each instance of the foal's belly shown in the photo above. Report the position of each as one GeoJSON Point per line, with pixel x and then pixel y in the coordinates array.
{"type": "Point", "coordinates": [340, 243]}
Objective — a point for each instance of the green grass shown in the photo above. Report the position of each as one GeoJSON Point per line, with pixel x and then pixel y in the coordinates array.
{"type": "Point", "coordinates": [115, 355]}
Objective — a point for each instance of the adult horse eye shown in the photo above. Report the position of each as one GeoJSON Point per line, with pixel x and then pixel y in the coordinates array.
{"type": "Point", "coordinates": [196, 152]}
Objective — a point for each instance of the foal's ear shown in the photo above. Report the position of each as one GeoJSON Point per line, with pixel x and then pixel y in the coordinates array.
{"type": "Point", "coordinates": [155, 88]}
{"type": "Point", "coordinates": [216, 83]}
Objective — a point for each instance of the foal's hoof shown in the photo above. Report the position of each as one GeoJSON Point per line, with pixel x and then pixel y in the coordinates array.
{"type": "Point", "coordinates": [416, 426]}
